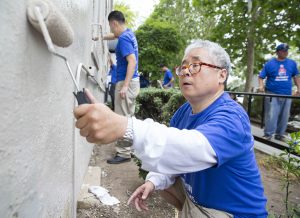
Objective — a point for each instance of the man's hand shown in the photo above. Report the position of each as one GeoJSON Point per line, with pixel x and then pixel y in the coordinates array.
{"type": "Point", "coordinates": [297, 93]}
{"type": "Point", "coordinates": [123, 91]}
{"type": "Point", "coordinates": [109, 36]}
{"type": "Point", "coordinates": [261, 89]}
{"type": "Point", "coordinates": [98, 123]}
{"type": "Point", "coordinates": [140, 195]}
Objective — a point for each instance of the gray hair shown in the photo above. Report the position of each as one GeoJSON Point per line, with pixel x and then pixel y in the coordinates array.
{"type": "Point", "coordinates": [218, 54]}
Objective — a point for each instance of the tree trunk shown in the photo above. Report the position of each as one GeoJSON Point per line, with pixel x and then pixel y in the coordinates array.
{"type": "Point", "coordinates": [250, 52]}
{"type": "Point", "coordinates": [250, 62]}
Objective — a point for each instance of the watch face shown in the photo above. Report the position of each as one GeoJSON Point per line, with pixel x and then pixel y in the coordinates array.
{"type": "Point", "coordinates": [127, 139]}
{"type": "Point", "coordinates": [125, 142]}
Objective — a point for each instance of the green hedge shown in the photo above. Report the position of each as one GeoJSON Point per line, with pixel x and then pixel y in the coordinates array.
{"type": "Point", "coordinates": [159, 105]}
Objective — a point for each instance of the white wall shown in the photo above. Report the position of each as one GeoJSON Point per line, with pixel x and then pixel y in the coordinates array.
{"type": "Point", "coordinates": [37, 137]}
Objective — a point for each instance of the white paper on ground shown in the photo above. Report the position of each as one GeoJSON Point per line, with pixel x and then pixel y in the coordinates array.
{"type": "Point", "coordinates": [103, 195]}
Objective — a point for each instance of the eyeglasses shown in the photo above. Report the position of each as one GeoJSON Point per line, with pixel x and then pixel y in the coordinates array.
{"type": "Point", "coordinates": [193, 68]}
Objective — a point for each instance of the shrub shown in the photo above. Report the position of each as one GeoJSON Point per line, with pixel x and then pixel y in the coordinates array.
{"type": "Point", "coordinates": [289, 168]}
{"type": "Point", "coordinates": [159, 105]}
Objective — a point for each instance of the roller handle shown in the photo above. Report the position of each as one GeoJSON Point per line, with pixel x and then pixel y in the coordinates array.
{"type": "Point", "coordinates": [81, 97]}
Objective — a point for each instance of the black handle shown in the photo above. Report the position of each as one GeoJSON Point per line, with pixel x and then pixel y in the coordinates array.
{"type": "Point", "coordinates": [82, 98]}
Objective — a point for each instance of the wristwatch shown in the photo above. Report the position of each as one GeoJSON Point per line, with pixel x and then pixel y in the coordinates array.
{"type": "Point", "coordinates": [128, 136]}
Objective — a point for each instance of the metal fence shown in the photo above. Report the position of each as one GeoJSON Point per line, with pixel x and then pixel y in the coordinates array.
{"type": "Point", "coordinates": [248, 106]}
{"type": "Point", "coordinates": [263, 95]}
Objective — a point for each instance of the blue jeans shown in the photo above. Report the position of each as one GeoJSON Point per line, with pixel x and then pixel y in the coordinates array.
{"type": "Point", "coordinates": [277, 112]}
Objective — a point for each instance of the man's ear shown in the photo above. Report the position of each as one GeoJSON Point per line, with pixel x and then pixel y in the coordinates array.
{"type": "Point", "coordinates": [115, 23]}
{"type": "Point", "coordinates": [223, 74]}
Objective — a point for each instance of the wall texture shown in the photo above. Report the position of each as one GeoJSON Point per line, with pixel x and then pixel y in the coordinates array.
{"type": "Point", "coordinates": [40, 150]}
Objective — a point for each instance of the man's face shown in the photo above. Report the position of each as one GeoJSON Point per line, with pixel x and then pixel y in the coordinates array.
{"type": "Point", "coordinates": [204, 84]}
{"type": "Point", "coordinates": [282, 54]}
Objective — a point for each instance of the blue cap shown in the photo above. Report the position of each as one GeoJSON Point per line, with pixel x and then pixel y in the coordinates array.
{"type": "Point", "coordinates": [282, 47]}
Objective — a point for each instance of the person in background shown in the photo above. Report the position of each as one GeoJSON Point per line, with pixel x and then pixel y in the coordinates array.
{"type": "Point", "coordinates": [112, 84]}
{"type": "Point", "coordinates": [168, 77]}
{"type": "Point", "coordinates": [278, 73]}
{"type": "Point", "coordinates": [128, 84]}
{"type": "Point", "coordinates": [144, 82]}
{"type": "Point", "coordinates": [204, 163]}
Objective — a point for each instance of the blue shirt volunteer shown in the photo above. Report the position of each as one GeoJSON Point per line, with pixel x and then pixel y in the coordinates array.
{"type": "Point", "coordinates": [113, 73]}
{"type": "Point", "coordinates": [234, 184]}
{"type": "Point", "coordinates": [127, 44]}
{"type": "Point", "coordinates": [167, 78]}
{"type": "Point", "coordinates": [279, 75]}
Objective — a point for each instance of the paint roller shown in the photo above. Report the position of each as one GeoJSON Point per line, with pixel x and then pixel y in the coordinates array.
{"type": "Point", "coordinates": [48, 20]}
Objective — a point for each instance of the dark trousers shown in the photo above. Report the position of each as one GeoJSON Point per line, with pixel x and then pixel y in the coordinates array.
{"type": "Point", "coordinates": [111, 90]}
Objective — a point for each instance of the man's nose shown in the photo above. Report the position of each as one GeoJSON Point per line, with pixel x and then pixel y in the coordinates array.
{"type": "Point", "coordinates": [187, 72]}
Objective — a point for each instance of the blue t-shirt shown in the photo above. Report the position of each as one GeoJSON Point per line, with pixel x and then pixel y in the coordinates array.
{"type": "Point", "coordinates": [127, 44]}
{"type": "Point", "coordinates": [279, 75]}
{"type": "Point", "coordinates": [233, 184]}
{"type": "Point", "coordinates": [167, 78]}
{"type": "Point", "coordinates": [113, 73]}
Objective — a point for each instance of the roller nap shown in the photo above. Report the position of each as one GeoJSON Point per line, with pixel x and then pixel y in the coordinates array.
{"type": "Point", "coordinates": [58, 27]}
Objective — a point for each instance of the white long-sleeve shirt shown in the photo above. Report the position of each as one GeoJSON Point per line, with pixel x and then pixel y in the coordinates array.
{"type": "Point", "coordinates": [168, 151]}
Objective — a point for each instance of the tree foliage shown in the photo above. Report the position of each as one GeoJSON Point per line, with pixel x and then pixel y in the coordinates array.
{"type": "Point", "coordinates": [247, 29]}
{"type": "Point", "coordinates": [185, 17]}
{"type": "Point", "coordinates": [165, 34]}
{"type": "Point", "coordinates": [242, 26]}
{"type": "Point", "coordinates": [130, 16]}
{"type": "Point", "coordinates": [159, 42]}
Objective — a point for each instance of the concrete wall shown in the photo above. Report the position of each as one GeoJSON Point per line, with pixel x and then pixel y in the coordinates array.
{"type": "Point", "coordinates": [40, 151]}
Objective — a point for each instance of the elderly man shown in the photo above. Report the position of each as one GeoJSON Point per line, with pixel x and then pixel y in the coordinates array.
{"type": "Point", "coordinates": [205, 161]}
